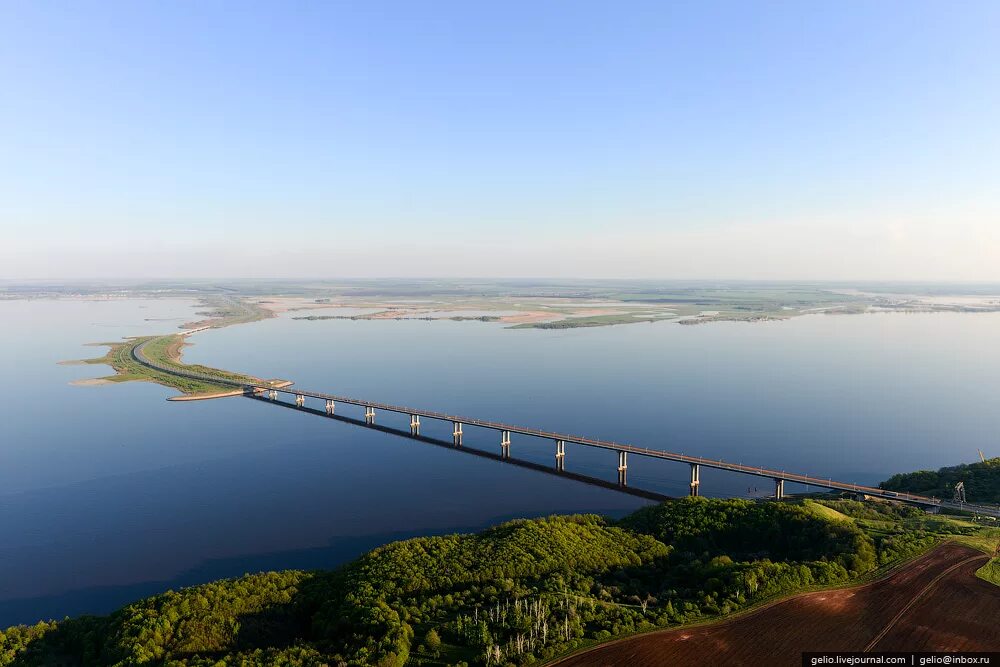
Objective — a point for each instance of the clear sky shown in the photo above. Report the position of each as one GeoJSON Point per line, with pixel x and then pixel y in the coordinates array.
{"type": "Point", "coordinates": [789, 140]}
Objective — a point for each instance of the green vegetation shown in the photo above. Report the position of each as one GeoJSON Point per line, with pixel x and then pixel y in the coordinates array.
{"type": "Point", "coordinates": [982, 481]}
{"type": "Point", "coordinates": [990, 572]}
{"type": "Point", "coordinates": [164, 351]}
{"type": "Point", "coordinates": [986, 540]}
{"type": "Point", "coordinates": [226, 311]}
{"type": "Point", "coordinates": [594, 321]}
{"type": "Point", "coordinates": [824, 511]}
{"type": "Point", "coordinates": [383, 316]}
{"type": "Point", "coordinates": [519, 593]}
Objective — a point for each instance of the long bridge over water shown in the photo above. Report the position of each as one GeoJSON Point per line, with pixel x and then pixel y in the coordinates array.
{"type": "Point", "coordinates": [264, 391]}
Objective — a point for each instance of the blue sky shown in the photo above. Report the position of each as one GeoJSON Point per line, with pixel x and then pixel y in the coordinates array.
{"type": "Point", "coordinates": [796, 140]}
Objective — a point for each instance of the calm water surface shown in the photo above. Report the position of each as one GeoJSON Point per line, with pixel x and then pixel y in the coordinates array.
{"type": "Point", "coordinates": [110, 493]}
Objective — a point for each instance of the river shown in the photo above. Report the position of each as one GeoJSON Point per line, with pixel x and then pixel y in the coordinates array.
{"type": "Point", "coordinates": [109, 493]}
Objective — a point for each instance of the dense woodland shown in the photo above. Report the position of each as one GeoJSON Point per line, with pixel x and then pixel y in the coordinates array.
{"type": "Point", "coordinates": [982, 481]}
{"type": "Point", "coordinates": [517, 594]}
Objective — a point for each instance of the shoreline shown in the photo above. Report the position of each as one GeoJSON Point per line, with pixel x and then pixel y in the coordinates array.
{"type": "Point", "coordinates": [90, 382]}
{"type": "Point", "coordinates": [225, 394]}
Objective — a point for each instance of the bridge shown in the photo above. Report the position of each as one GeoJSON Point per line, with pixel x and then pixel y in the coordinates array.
{"type": "Point", "coordinates": [560, 440]}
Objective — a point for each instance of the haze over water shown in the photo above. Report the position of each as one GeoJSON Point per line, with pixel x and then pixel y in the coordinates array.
{"type": "Point", "coordinates": [110, 493]}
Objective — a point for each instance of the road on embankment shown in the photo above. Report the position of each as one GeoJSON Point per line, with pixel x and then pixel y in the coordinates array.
{"type": "Point", "coordinates": [927, 605]}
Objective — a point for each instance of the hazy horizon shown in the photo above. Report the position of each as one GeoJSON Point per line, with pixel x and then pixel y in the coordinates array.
{"type": "Point", "coordinates": [711, 141]}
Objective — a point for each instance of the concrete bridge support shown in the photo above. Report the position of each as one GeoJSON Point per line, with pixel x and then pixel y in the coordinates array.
{"type": "Point", "coordinates": [456, 433]}
{"type": "Point", "coordinates": [622, 468]}
{"type": "Point", "coordinates": [330, 407]}
{"type": "Point", "coordinates": [414, 424]}
{"type": "Point", "coordinates": [369, 415]}
{"type": "Point", "coordinates": [695, 479]}
{"type": "Point", "coordinates": [273, 395]}
{"type": "Point", "coordinates": [779, 489]}
{"type": "Point", "coordinates": [505, 444]}
{"type": "Point", "coordinates": [300, 400]}
{"type": "Point", "coordinates": [560, 454]}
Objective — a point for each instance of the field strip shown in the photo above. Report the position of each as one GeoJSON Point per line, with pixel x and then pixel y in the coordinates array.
{"type": "Point", "coordinates": [926, 589]}
{"type": "Point", "coordinates": [762, 608]}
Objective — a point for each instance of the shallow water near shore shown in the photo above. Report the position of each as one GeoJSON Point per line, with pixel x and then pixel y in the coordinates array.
{"type": "Point", "coordinates": [109, 493]}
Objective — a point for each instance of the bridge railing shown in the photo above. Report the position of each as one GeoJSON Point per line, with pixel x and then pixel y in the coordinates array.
{"type": "Point", "coordinates": [720, 464]}
{"type": "Point", "coordinates": [137, 354]}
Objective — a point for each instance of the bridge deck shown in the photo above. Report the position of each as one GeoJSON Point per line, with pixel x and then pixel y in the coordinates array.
{"type": "Point", "coordinates": [759, 471]}
{"type": "Point", "coordinates": [632, 449]}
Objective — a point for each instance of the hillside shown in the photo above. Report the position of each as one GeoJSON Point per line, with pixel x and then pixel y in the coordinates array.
{"type": "Point", "coordinates": [517, 593]}
{"type": "Point", "coordinates": [982, 481]}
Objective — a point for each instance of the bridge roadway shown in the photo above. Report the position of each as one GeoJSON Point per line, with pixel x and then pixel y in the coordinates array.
{"type": "Point", "coordinates": [759, 471]}
{"type": "Point", "coordinates": [696, 462]}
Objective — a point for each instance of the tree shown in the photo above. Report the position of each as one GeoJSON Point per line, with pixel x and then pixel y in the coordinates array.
{"type": "Point", "coordinates": [433, 641]}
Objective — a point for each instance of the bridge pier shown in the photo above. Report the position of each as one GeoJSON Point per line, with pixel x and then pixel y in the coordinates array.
{"type": "Point", "coordinates": [779, 477]}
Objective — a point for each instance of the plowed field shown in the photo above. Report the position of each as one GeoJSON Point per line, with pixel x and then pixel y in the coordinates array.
{"type": "Point", "coordinates": [928, 605]}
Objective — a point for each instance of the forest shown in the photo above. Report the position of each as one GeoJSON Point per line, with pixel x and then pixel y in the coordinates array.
{"type": "Point", "coordinates": [520, 593]}
{"type": "Point", "coordinates": [982, 481]}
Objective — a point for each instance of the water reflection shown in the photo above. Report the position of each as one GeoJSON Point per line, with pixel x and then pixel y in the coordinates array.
{"type": "Point", "coordinates": [555, 469]}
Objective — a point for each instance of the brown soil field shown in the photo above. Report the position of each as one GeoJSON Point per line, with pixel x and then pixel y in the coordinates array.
{"type": "Point", "coordinates": [928, 605]}
{"type": "Point", "coordinates": [532, 316]}
{"type": "Point", "coordinates": [959, 614]}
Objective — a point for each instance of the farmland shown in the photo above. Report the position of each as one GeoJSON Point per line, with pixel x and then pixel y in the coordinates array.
{"type": "Point", "coordinates": [845, 619]}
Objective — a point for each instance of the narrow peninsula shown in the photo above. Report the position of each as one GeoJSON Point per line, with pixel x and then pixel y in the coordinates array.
{"type": "Point", "coordinates": [158, 358]}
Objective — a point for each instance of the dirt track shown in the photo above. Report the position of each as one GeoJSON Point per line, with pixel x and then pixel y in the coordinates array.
{"type": "Point", "coordinates": [956, 612]}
